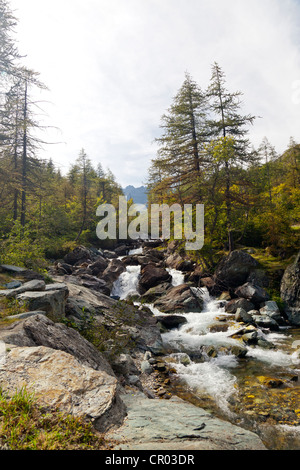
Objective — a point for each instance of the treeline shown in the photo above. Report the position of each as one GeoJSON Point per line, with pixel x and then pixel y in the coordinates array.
{"type": "Point", "coordinates": [251, 196]}
{"type": "Point", "coordinates": [42, 212]}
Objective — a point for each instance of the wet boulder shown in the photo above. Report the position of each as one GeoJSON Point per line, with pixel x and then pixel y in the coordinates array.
{"type": "Point", "coordinates": [151, 276]}
{"type": "Point", "coordinates": [179, 299]}
{"type": "Point", "coordinates": [171, 322]}
{"type": "Point", "coordinates": [155, 292]}
{"type": "Point", "coordinates": [242, 316]}
{"type": "Point", "coordinates": [264, 321]}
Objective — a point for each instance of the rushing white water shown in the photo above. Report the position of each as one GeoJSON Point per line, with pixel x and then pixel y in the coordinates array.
{"type": "Point", "coordinates": [212, 377]}
{"type": "Point", "coordinates": [215, 377]}
{"type": "Point", "coordinates": [276, 358]}
{"type": "Point", "coordinates": [127, 283]}
{"type": "Point", "coordinates": [136, 251]}
{"type": "Point", "coordinates": [207, 376]}
{"type": "Point", "coordinates": [177, 277]}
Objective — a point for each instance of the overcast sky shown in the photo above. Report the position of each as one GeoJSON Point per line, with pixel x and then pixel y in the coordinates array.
{"type": "Point", "coordinates": [113, 66]}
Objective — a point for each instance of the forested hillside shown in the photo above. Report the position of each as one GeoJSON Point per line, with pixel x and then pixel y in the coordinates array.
{"type": "Point", "coordinates": [251, 196]}
{"type": "Point", "coordinates": [43, 213]}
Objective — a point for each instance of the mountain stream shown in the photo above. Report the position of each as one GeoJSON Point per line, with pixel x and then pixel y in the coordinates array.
{"type": "Point", "coordinates": [259, 391]}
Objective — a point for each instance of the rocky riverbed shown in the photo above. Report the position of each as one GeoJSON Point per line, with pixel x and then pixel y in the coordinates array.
{"type": "Point", "coordinates": [131, 339]}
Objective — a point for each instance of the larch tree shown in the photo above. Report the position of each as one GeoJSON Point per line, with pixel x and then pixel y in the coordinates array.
{"type": "Point", "coordinates": [227, 129]}
{"type": "Point", "coordinates": [180, 147]}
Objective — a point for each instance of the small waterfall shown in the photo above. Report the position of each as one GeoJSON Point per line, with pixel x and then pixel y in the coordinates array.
{"type": "Point", "coordinates": [127, 283]}
{"type": "Point", "coordinates": [177, 277]}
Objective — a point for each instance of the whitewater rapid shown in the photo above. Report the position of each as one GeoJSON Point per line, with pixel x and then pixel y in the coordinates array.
{"type": "Point", "coordinates": [214, 376]}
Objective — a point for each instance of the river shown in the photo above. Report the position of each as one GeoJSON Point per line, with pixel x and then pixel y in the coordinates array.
{"type": "Point", "coordinates": [260, 391]}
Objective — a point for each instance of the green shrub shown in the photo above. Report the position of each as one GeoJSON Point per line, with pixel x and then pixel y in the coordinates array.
{"type": "Point", "coordinates": [23, 248]}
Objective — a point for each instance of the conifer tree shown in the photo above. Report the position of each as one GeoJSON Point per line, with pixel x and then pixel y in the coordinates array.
{"type": "Point", "coordinates": [180, 153]}
{"type": "Point", "coordinates": [227, 129]}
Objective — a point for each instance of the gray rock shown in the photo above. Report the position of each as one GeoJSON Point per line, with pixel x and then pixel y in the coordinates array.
{"type": "Point", "coordinates": [38, 330]}
{"type": "Point", "coordinates": [61, 286]}
{"type": "Point", "coordinates": [176, 425]}
{"type": "Point", "coordinates": [259, 278]}
{"type": "Point", "coordinates": [250, 338]}
{"type": "Point", "coordinates": [64, 268]}
{"type": "Point", "coordinates": [154, 293]}
{"type": "Point", "coordinates": [136, 323]}
{"type": "Point", "coordinates": [146, 367]}
{"type": "Point", "coordinates": [92, 282]}
{"type": "Point", "coordinates": [30, 286]}
{"type": "Point", "coordinates": [59, 380]}
{"type": "Point", "coordinates": [271, 309]}
{"type": "Point", "coordinates": [124, 365]}
{"type": "Point", "coordinates": [12, 269]}
{"type": "Point", "coordinates": [98, 266]}
{"type": "Point", "coordinates": [234, 269]}
{"type": "Point", "coordinates": [151, 276]}
{"type": "Point", "coordinates": [133, 380]}
{"type": "Point", "coordinates": [79, 255]}
{"type": "Point", "coordinates": [171, 321]}
{"type": "Point", "coordinates": [253, 293]}
{"type": "Point", "coordinates": [13, 285]}
{"type": "Point", "coordinates": [264, 321]}
{"type": "Point", "coordinates": [233, 305]}
{"type": "Point", "coordinates": [22, 316]}
{"type": "Point", "coordinates": [52, 302]}
{"type": "Point", "coordinates": [242, 316]}
{"type": "Point", "coordinates": [290, 291]}
{"type": "Point", "coordinates": [109, 254]}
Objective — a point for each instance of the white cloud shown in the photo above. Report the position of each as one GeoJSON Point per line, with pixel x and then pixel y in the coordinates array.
{"type": "Point", "coordinates": [113, 67]}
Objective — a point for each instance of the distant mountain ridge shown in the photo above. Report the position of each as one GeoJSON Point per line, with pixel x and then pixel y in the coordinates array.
{"type": "Point", "coordinates": [138, 195]}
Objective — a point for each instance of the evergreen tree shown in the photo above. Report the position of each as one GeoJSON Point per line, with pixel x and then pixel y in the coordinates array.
{"type": "Point", "coordinates": [180, 154]}
{"type": "Point", "coordinates": [227, 129]}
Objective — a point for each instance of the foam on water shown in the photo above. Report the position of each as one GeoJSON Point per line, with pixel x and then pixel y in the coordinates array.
{"type": "Point", "coordinates": [136, 251]}
{"type": "Point", "coordinates": [177, 277]}
{"type": "Point", "coordinates": [211, 378]}
{"type": "Point", "coordinates": [214, 376]}
{"type": "Point", "coordinates": [127, 283]}
{"type": "Point", "coordinates": [275, 358]}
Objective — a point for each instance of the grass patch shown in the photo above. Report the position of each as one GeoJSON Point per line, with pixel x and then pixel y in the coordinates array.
{"type": "Point", "coordinates": [274, 268]}
{"type": "Point", "coordinates": [5, 279]}
{"type": "Point", "coordinates": [24, 426]}
{"type": "Point", "coordinates": [10, 306]}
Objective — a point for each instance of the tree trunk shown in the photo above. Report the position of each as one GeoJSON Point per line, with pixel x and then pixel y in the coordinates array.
{"type": "Point", "coordinates": [24, 161]}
